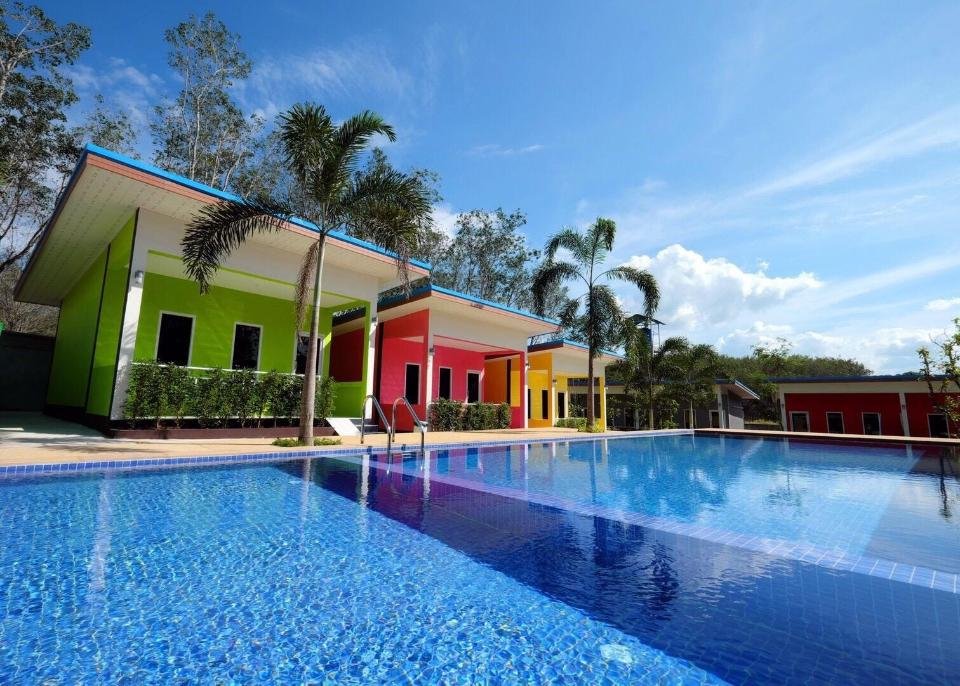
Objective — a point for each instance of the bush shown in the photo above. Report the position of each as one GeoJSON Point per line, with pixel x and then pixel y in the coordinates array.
{"type": "Point", "coordinates": [445, 415]}
{"type": "Point", "coordinates": [325, 397]}
{"type": "Point", "coordinates": [210, 404]}
{"type": "Point", "coordinates": [143, 399]}
{"type": "Point", "coordinates": [241, 394]}
{"type": "Point", "coordinates": [578, 423]}
{"type": "Point", "coordinates": [503, 416]}
{"type": "Point", "coordinates": [293, 442]}
{"type": "Point", "coordinates": [178, 388]}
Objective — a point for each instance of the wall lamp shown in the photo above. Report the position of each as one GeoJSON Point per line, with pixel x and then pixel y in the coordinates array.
{"type": "Point", "coordinates": [138, 277]}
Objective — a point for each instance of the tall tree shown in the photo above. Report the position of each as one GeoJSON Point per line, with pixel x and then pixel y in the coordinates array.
{"type": "Point", "coordinates": [203, 134]}
{"type": "Point", "coordinates": [646, 372]}
{"type": "Point", "coordinates": [36, 149]}
{"type": "Point", "coordinates": [694, 376]}
{"type": "Point", "coordinates": [108, 128]}
{"type": "Point", "coordinates": [595, 316]}
{"type": "Point", "coordinates": [941, 371]}
{"type": "Point", "coordinates": [329, 188]}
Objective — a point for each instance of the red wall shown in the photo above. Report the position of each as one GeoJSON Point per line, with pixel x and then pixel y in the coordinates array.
{"type": "Point", "coordinates": [851, 405]}
{"type": "Point", "coordinates": [395, 352]}
{"type": "Point", "coordinates": [346, 356]}
{"type": "Point", "coordinates": [919, 405]}
{"type": "Point", "coordinates": [459, 362]}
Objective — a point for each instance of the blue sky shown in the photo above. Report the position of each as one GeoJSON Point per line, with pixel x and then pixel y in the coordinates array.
{"type": "Point", "coordinates": [785, 169]}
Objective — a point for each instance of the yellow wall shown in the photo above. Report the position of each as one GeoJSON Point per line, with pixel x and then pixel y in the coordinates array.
{"type": "Point", "coordinates": [539, 377]}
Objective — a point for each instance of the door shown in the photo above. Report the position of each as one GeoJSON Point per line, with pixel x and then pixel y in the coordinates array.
{"type": "Point", "coordinates": [800, 421]}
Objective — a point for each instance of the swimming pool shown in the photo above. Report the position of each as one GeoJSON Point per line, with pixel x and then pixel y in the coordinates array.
{"type": "Point", "coordinates": [674, 558]}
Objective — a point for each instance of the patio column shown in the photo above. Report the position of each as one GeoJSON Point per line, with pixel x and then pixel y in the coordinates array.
{"type": "Point", "coordinates": [370, 356]}
{"type": "Point", "coordinates": [553, 399]}
{"type": "Point", "coordinates": [131, 320]}
{"type": "Point", "coordinates": [904, 419]}
{"type": "Point", "coordinates": [525, 389]}
{"type": "Point", "coordinates": [428, 375]}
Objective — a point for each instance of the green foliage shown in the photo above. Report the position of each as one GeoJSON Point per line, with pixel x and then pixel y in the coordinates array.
{"type": "Point", "coordinates": [293, 442]}
{"type": "Point", "coordinates": [37, 151]}
{"type": "Point", "coordinates": [326, 396]}
{"type": "Point", "coordinates": [211, 402]}
{"type": "Point", "coordinates": [142, 399]}
{"type": "Point", "coordinates": [241, 393]}
{"type": "Point", "coordinates": [578, 423]}
{"type": "Point", "coordinates": [450, 415]}
{"type": "Point", "coordinates": [941, 371]}
{"type": "Point", "coordinates": [445, 415]}
{"type": "Point", "coordinates": [177, 387]}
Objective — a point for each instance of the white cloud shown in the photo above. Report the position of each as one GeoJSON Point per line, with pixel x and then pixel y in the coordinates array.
{"type": "Point", "coordinates": [895, 276]}
{"type": "Point", "coordinates": [357, 68]}
{"type": "Point", "coordinates": [941, 304]}
{"type": "Point", "coordinates": [940, 130]}
{"type": "Point", "coordinates": [497, 150]}
{"type": "Point", "coordinates": [882, 350]}
{"type": "Point", "coordinates": [697, 291]}
{"type": "Point", "coordinates": [444, 219]}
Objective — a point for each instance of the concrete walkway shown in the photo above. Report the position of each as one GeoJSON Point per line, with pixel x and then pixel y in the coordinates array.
{"type": "Point", "coordinates": [33, 438]}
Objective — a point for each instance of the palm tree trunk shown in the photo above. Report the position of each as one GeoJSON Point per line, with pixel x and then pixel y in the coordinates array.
{"type": "Point", "coordinates": [590, 417]}
{"type": "Point", "coordinates": [308, 397]}
{"type": "Point", "coordinates": [692, 420]}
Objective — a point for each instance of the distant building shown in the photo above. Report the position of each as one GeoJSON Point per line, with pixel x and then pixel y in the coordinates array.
{"type": "Point", "coordinates": [870, 405]}
{"type": "Point", "coordinates": [725, 411]}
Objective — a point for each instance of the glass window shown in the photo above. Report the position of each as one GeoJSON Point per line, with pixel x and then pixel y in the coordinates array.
{"type": "Point", "coordinates": [444, 392]}
{"type": "Point", "coordinates": [544, 404]}
{"type": "Point", "coordinates": [799, 421]}
{"type": "Point", "coordinates": [871, 423]}
{"type": "Point", "coordinates": [561, 404]}
{"type": "Point", "coordinates": [937, 423]}
{"type": "Point", "coordinates": [835, 422]}
{"type": "Point", "coordinates": [301, 365]}
{"type": "Point", "coordinates": [473, 387]}
{"type": "Point", "coordinates": [529, 402]}
{"type": "Point", "coordinates": [411, 384]}
{"type": "Point", "coordinates": [246, 346]}
{"type": "Point", "coordinates": [173, 340]}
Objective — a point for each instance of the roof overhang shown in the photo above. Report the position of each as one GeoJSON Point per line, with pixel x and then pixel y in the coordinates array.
{"type": "Point", "coordinates": [572, 350]}
{"type": "Point", "coordinates": [737, 388]}
{"type": "Point", "coordinates": [105, 191]}
{"type": "Point", "coordinates": [443, 301]}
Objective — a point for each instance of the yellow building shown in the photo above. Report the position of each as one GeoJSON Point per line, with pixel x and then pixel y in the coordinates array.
{"type": "Point", "coordinates": [557, 383]}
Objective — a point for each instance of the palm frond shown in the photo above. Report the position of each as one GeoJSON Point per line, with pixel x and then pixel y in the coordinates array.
{"type": "Point", "coordinates": [547, 278]}
{"type": "Point", "coordinates": [643, 280]}
{"type": "Point", "coordinates": [604, 231]}
{"type": "Point", "coordinates": [570, 240]}
{"type": "Point", "coordinates": [306, 132]}
{"type": "Point", "coordinates": [305, 280]}
{"type": "Point", "coordinates": [349, 141]}
{"type": "Point", "coordinates": [217, 230]}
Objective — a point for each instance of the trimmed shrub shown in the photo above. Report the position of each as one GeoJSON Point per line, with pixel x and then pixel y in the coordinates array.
{"type": "Point", "coordinates": [178, 388]}
{"type": "Point", "coordinates": [578, 423]}
{"type": "Point", "coordinates": [325, 398]}
{"type": "Point", "coordinates": [241, 394]}
{"type": "Point", "coordinates": [143, 398]}
{"type": "Point", "coordinates": [503, 416]}
{"type": "Point", "coordinates": [445, 415]}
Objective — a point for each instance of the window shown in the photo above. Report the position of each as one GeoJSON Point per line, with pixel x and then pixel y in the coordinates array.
{"type": "Point", "coordinates": [473, 387]}
{"type": "Point", "coordinates": [544, 404]}
{"type": "Point", "coordinates": [246, 346]}
{"type": "Point", "coordinates": [303, 341]}
{"type": "Point", "coordinates": [445, 381]}
{"type": "Point", "coordinates": [411, 383]}
{"type": "Point", "coordinates": [173, 339]}
{"type": "Point", "coordinates": [529, 402]}
{"type": "Point", "coordinates": [871, 423]}
{"type": "Point", "coordinates": [799, 421]}
{"type": "Point", "coordinates": [937, 424]}
{"type": "Point", "coordinates": [561, 404]}
{"type": "Point", "coordinates": [510, 385]}
{"type": "Point", "coordinates": [714, 419]}
{"type": "Point", "coordinates": [596, 404]}
{"type": "Point", "coordinates": [835, 422]}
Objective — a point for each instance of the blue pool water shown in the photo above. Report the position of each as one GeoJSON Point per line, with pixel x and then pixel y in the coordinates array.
{"type": "Point", "coordinates": [637, 560]}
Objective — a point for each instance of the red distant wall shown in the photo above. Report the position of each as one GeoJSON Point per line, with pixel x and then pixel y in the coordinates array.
{"type": "Point", "coordinates": [459, 362]}
{"type": "Point", "coordinates": [396, 350]}
{"type": "Point", "coordinates": [919, 405]}
{"type": "Point", "coordinates": [346, 356]}
{"type": "Point", "coordinates": [851, 405]}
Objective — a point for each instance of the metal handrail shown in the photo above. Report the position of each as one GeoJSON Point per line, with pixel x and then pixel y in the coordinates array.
{"type": "Point", "coordinates": [413, 414]}
{"type": "Point", "coordinates": [383, 418]}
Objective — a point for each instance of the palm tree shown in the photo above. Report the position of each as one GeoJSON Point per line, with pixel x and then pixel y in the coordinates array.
{"type": "Point", "coordinates": [327, 187]}
{"type": "Point", "coordinates": [645, 371]}
{"type": "Point", "coordinates": [601, 321]}
{"type": "Point", "coordinates": [694, 374]}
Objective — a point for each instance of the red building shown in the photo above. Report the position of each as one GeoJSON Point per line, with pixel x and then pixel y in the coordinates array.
{"type": "Point", "coordinates": [870, 405]}
{"type": "Point", "coordinates": [437, 343]}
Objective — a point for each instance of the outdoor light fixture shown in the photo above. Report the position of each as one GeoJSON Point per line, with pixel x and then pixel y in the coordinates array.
{"type": "Point", "coordinates": [431, 350]}
{"type": "Point", "coordinates": [138, 277]}
{"type": "Point", "coordinates": [373, 319]}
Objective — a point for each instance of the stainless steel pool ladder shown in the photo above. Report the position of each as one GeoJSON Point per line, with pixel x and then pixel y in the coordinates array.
{"type": "Point", "coordinates": [383, 418]}
{"type": "Point", "coordinates": [421, 426]}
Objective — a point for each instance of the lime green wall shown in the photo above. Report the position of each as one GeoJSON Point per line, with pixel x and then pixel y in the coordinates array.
{"type": "Point", "coordinates": [76, 334]}
{"type": "Point", "coordinates": [115, 284]}
{"type": "Point", "coordinates": [216, 313]}
{"type": "Point", "coordinates": [97, 298]}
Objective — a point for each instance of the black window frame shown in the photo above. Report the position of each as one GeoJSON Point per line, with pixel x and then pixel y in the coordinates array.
{"type": "Point", "coordinates": [233, 353]}
{"type": "Point", "coordinates": [561, 404]}
{"type": "Point", "coordinates": [863, 423]}
{"type": "Point", "coordinates": [806, 420]}
{"type": "Point", "coordinates": [478, 397]}
{"type": "Point", "coordinates": [544, 403]}
{"type": "Point", "coordinates": [946, 425]}
{"type": "Point", "coordinates": [169, 359]}
{"type": "Point", "coordinates": [406, 382]}
{"type": "Point", "coordinates": [842, 425]}
{"type": "Point", "coordinates": [449, 380]}
{"type": "Point", "coordinates": [303, 336]}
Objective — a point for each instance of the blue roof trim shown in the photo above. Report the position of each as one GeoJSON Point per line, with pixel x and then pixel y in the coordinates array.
{"type": "Point", "coordinates": [427, 289]}
{"type": "Point", "coordinates": [226, 195]}
{"type": "Point", "coordinates": [852, 379]}
{"type": "Point", "coordinates": [546, 345]}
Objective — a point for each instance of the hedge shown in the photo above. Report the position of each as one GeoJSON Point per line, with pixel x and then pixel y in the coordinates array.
{"type": "Point", "coordinates": [166, 394]}
{"type": "Point", "coordinates": [450, 415]}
